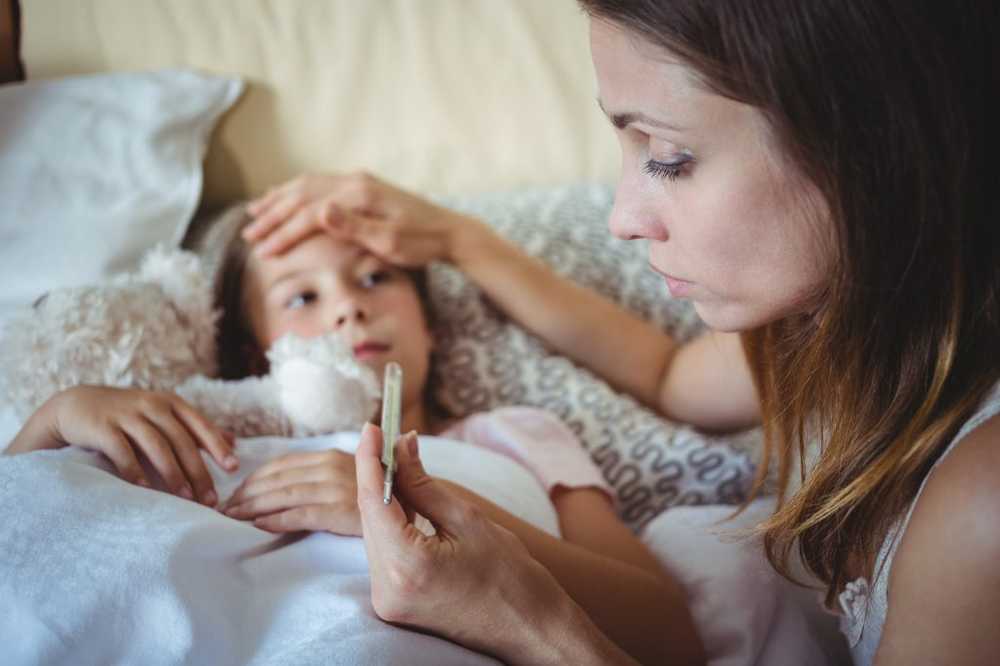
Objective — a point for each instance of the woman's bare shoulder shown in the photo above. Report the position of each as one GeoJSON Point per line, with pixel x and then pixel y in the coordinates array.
{"type": "Point", "coordinates": [944, 586]}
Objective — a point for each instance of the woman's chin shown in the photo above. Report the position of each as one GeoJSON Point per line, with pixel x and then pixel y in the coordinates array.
{"type": "Point", "coordinates": [729, 317]}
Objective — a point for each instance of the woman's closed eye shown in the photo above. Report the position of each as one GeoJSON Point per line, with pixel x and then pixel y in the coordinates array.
{"type": "Point", "coordinates": [670, 170]}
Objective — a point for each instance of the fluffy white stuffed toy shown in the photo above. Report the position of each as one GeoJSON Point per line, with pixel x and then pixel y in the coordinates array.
{"type": "Point", "coordinates": [155, 329]}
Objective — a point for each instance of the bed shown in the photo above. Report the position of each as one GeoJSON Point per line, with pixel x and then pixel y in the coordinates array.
{"type": "Point", "coordinates": [121, 122]}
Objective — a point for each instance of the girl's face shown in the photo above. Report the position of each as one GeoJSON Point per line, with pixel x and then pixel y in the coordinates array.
{"type": "Point", "coordinates": [323, 285]}
{"type": "Point", "coordinates": [731, 228]}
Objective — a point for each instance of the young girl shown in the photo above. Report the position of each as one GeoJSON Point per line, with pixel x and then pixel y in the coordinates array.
{"type": "Point", "coordinates": [323, 285]}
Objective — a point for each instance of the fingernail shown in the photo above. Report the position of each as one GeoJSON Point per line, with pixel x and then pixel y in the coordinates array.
{"type": "Point", "coordinates": [367, 428]}
{"type": "Point", "coordinates": [144, 483]}
{"type": "Point", "coordinates": [231, 462]}
{"type": "Point", "coordinates": [211, 498]}
{"type": "Point", "coordinates": [412, 445]}
{"type": "Point", "coordinates": [186, 493]}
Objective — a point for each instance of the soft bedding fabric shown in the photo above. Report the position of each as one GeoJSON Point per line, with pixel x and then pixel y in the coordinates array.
{"type": "Point", "coordinates": [98, 571]}
{"type": "Point", "coordinates": [745, 612]}
{"type": "Point", "coordinates": [95, 170]}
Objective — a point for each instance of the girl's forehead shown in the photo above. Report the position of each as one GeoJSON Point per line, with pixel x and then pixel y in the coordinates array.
{"type": "Point", "coordinates": [318, 251]}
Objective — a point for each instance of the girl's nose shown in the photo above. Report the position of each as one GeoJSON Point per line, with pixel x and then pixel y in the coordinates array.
{"type": "Point", "coordinates": [351, 312]}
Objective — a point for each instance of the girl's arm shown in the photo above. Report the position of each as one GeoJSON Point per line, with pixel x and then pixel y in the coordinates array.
{"type": "Point", "coordinates": [125, 424]}
{"type": "Point", "coordinates": [610, 574]}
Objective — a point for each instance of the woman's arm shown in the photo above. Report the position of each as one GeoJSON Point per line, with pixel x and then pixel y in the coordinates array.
{"type": "Point", "coordinates": [706, 383]}
{"type": "Point", "coordinates": [611, 575]}
{"type": "Point", "coordinates": [587, 518]}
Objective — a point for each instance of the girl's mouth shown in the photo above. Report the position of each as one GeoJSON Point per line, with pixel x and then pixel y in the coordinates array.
{"type": "Point", "coordinates": [367, 350]}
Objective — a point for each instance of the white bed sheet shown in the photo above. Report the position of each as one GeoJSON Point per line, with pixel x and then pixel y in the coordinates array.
{"type": "Point", "coordinates": [97, 571]}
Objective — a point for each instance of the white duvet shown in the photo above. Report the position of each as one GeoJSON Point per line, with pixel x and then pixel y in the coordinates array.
{"type": "Point", "coordinates": [97, 571]}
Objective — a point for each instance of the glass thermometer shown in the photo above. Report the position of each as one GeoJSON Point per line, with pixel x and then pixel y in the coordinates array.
{"type": "Point", "coordinates": [392, 390]}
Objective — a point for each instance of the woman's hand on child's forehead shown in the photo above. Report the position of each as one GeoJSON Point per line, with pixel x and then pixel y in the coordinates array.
{"type": "Point", "coordinates": [395, 225]}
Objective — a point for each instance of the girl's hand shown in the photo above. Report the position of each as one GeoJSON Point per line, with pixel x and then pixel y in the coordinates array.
{"type": "Point", "coordinates": [126, 424]}
{"type": "Point", "coordinates": [473, 581]}
{"type": "Point", "coordinates": [399, 227]}
{"type": "Point", "coordinates": [300, 491]}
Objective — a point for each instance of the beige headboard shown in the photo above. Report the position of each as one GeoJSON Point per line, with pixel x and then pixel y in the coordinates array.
{"type": "Point", "coordinates": [442, 96]}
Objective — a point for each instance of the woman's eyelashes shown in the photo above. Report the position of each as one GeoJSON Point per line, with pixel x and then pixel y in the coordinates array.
{"type": "Point", "coordinates": [668, 170]}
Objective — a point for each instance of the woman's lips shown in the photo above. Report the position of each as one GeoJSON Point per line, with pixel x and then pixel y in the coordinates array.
{"type": "Point", "coordinates": [678, 288]}
{"type": "Point", "coordinates": [366, 350]}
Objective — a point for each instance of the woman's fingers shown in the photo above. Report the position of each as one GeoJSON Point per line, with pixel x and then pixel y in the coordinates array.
{"type": "Point", "coordinates": [277, 213]}
{"type": "Point", "coordinates": [383, 525]}
{"type": "Point", "coordinates": [261, 204]}
{"type": "Point", "coordinates": [302, 224]}
{"type": "Point", "coordinates": [422, 493]}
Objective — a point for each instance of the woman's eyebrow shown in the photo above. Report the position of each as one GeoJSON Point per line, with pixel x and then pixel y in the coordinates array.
{"type": "Point", "coordinates": [623, 120]}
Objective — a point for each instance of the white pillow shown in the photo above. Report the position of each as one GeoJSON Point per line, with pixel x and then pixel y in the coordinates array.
{"type": "Point", "coordinates": [94, 170]}
{"type": "Point", "coordinates": [483, 360]}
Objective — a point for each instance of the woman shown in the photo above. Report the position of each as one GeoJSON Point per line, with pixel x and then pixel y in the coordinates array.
{"type": "Point", "coordinates": [816, 178]}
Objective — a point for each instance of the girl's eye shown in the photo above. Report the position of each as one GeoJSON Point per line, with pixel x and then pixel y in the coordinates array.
{"type": "Point", "coordinates": [375, 277]}
{"type": "Point", "coordinates": [300, 300]}
{"type": "Point", "coordinates": [667, 170]}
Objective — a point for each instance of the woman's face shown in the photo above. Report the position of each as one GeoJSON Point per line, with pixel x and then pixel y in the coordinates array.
{"type": "Point", "coordinates": [324, 285]}
{"type": "Point", "coordinates": [745, 238]}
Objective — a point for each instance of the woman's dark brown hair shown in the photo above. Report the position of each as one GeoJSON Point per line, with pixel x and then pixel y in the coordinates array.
{"type": "Point", "coordinates": [885, 107]}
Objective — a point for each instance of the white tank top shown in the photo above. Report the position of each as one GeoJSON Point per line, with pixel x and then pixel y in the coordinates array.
{"type": "Point", "coordinates": [864, 605]}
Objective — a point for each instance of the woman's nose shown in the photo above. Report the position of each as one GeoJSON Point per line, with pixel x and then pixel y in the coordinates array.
{"type": "Point", "coordinates": [635, 214]}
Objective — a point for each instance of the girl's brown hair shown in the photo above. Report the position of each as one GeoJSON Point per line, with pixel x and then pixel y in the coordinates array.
{"type": "Point", "coordinates": [882, 106]}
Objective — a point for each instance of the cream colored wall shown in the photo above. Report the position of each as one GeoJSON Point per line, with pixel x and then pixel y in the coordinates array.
{"type": "Point", "coordinates": [444, 96]}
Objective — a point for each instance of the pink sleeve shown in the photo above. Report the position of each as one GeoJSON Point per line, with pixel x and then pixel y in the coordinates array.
{"type": "Point", "coordinates": [539, 441]}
